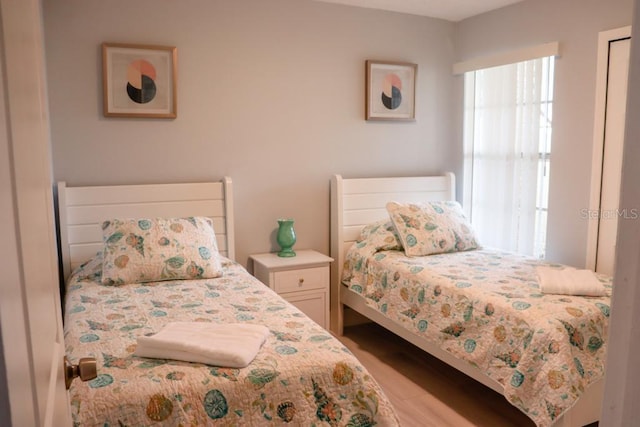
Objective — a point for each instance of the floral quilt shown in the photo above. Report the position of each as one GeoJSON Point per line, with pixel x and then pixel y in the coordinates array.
{"type": "Point", "coordinates": [485, 307]}
{"type": "Point", "coordinates": [300, 376]}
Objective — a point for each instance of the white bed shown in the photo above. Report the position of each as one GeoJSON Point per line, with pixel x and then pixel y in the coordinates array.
{"type": "Point", "coordinates": [301, 375]}
{"type": "Point", "coordinates": [358, 202]}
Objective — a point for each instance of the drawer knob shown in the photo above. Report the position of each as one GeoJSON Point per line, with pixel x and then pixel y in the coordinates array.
{"type": "Point", "coordinates": [300, 281]}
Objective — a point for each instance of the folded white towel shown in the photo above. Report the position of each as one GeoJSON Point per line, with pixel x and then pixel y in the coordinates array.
{"type": "Point", "coordinates": [569, 281]}
{"type": "Point", "coordinates": [232, 345]}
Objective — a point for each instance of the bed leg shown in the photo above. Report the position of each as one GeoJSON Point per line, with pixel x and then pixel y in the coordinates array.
{"type": "Point", "coordinates": [337, 321]}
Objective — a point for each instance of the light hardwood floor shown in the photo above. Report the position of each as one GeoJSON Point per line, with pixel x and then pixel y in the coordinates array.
{"type": "Point", "coordinates": [425, 391]}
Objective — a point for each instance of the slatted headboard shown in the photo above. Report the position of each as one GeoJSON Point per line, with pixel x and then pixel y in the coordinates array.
{"type": "Point", "coordinates": [361, 201]}
{"type": "Point", "coordinates": [83, 209]}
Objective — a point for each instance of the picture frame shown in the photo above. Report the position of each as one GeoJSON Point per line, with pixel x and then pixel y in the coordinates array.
{"type": "Point", "coordinates": [139, 80]}
{"type": "Point", "coordinates": [390, 90]}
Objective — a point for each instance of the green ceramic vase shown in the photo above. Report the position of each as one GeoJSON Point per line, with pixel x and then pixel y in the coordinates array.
{"type": "Point", "coordinates": [286, 237]}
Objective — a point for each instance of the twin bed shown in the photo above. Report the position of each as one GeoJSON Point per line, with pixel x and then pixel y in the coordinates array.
{"type": "Point", "coordinates": [479, 310]}
{"type": "Point", "coordinates": [300, 376]}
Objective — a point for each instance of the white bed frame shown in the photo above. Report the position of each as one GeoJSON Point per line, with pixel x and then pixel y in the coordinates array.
{"type": "Point", "coordinates": [357, 202]}
{"type": "Point", "coordinates": [83, 209]}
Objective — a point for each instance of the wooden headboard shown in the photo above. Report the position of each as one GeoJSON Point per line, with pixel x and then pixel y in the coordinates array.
{"type": "Point", "coordinates": [358, 202]}
{"type": "Point", "coordinates": [83, 209]}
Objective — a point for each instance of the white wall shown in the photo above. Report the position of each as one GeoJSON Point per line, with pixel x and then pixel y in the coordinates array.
{"type": "Point", "coordinates": [575, 24]}
{"type": "Point", "coordinates": [270, 92]}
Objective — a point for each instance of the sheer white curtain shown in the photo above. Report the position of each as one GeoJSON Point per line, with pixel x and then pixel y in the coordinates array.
{"type": "Point", "coordinates": [505, 117]}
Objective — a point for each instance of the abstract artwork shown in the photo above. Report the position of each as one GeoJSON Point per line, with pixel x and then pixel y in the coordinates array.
{"type": "Point", "coordinates": [139, 80]}
{"type": "Point", "coordinates": [390, 90]}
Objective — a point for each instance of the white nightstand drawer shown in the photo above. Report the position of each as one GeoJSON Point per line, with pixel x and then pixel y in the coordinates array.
{"type": "Point", "coordinates": [301, 280]}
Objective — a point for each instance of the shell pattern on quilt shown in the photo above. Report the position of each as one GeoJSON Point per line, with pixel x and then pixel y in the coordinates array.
{"type": "Point", "coordinates": [485, 307]}
{"type": "Point", "coordinates": [301, 376]}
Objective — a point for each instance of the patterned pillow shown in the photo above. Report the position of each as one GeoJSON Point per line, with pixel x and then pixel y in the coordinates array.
{"type": "Point", "coordinates": [149, 250]}
{"type": "Point", "coordinates": [381, 235]}
{"type": "Point", "coordinates": [432, 228]}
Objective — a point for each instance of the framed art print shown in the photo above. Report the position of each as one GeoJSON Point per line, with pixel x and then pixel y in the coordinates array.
{"type": "Point", "coordinates": [139, 80]}
{"type": "Point", "coordinates": [390, 90]}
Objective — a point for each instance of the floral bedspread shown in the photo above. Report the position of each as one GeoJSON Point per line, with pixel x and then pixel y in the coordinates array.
{"type": "Point", "coordinates": [485, 307]}
{"type": "Point", "coordinates": [301, 375]}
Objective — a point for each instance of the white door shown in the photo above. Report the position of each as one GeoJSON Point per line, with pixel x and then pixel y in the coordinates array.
{"type": "Point", "coordinates": [30, 318]}
{"type": "Point", "coordinates": [613, 70]}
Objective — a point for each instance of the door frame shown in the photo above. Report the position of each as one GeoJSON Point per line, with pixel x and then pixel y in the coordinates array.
{"type": "Point", "coordinates": [604, 38]}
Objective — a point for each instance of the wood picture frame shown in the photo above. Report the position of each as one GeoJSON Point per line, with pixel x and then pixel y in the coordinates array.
{"type": "Point", "coordinates": [390, 91]}
{"type": "Point", "coordinates": [139, 80]}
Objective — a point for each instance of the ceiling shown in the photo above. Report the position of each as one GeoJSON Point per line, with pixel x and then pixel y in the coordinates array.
{"type": "Point", "coordinates": [451, 10]}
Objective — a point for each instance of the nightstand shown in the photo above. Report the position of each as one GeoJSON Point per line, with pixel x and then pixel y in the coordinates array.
{"type": "Point", "coordinates": [302, 280]}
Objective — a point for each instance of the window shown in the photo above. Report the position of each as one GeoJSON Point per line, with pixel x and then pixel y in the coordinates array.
{"type": "Point", "coordinates": [508, 111]}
